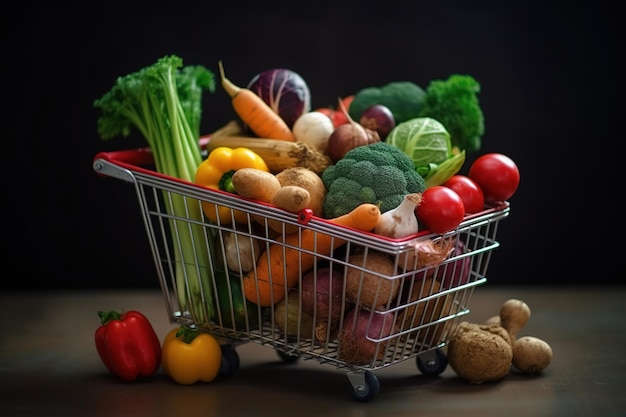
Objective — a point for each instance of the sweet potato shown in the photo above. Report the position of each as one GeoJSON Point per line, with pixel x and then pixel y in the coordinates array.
{"type": "Point", "coordinates": [361, 337]}
{"type": "Point", "coordinates": [322, 294]}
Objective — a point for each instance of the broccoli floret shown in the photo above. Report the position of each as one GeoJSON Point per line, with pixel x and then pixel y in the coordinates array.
{"type": "Point", "coordinates": [403, 98]}
{"type": "Point", "coordinates": [378, 173]}
{"type": "Point", "coordinates": [454, 103]}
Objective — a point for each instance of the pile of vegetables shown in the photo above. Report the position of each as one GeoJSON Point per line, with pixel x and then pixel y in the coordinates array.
{"type": "Point", "coordinates": [385, 162]}
{"type": "Point", "coordinates": [486, 352]}
{"type": "Point", "coordinates": [130, 349]}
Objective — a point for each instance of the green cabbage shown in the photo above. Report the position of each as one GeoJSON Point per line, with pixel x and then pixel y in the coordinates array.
{"type": "Point", "coordinates": [423, 139]}
{"type": "Point", "coordinates": [427, 142]}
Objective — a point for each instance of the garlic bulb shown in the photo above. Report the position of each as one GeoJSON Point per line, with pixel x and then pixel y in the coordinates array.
{"type": "Point", "coordinates": [241, 251]}
{"type": "Point", "coordinates": [400, 221]}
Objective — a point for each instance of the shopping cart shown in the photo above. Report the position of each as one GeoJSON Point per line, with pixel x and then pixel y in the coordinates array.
{"type": "Point", "coordinates": [202, 289]}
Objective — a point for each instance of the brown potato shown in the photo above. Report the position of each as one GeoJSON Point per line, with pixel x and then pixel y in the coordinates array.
{"type": "Point", "coordinates": [291, 198]}
{"type": "Point", "coordinates": [480, 353]}
{"type": "Point", "coordinates": [310, 181]}
{"type": "Point", "coordinates": [423, 313]}
{"type": "Point", "coordinates": [369, 286]}
{"type": "Point", "coordinates": [255, 184]}
{"type": "Point", "coordinates": [531, 355]}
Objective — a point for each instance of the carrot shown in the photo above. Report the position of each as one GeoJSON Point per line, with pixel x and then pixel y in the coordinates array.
{"type": "Point", "coordinates": [280, 266]}
{"type": "Point", "coordinates": [255, 113]}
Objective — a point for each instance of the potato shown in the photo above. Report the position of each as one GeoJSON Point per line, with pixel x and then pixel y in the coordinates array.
{"type": "Point", "coordinates": [308, 180]}
{"type": "Point", "coordinates": [255, 184]}
{"type": "Point", "coordinates": [291, 198]}
{"type": "Point", "coordinates": [422, 313]}
{"type": "Point", "coordinates": [370, 287]}
{"type": "Point", "coordinates": [480, 353]}
{"type": "Point", "coordinates": [514, 314]}
{"type": "Point", "coordinates": [531, 355]}
{"type": "Point", "coordinates": [290, 318]}
{"type": "Point", "coordinates": [493, 320]}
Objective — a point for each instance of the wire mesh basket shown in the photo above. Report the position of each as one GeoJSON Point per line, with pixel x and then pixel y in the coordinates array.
{"type": "Point", "coordinates": [344, 310]}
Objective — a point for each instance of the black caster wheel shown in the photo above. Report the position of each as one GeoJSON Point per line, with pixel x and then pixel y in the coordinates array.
{"type": "Point", "coordinates": [288, 357]}
{"type": "Point", "coordinates": [230, 361]}
{"type": "Point", "coordinates": [432, 363]}
{"type": "Point", "coordinates": [365, 385]}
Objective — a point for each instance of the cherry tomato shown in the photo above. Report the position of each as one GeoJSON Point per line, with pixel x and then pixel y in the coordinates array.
{"type": "Point", "coordinates": [497, 175]}
{"type": "Point", "coordinates": [471, 194]}
{"type": "Point", "coordinates": [441, 209]}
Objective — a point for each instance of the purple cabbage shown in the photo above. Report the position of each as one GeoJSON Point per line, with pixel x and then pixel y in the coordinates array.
{"type": "Point", "coordinates": [285, 91]}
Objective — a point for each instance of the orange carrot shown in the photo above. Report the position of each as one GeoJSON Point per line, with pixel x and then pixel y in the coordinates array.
{"type": "Point", "coordinates": [284, 265]}
{"type": "Point", "coordinates": [254, 112]}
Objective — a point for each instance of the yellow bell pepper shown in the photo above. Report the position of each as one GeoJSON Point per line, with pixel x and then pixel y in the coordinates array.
{"type": "Point", "coordinates": [217, 171]}
{"type": "Point", "coordinates": [189, 356]}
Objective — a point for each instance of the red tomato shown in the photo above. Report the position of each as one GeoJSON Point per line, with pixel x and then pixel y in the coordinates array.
{"type": "Point", "coordinates": [441, 209]}
{"type": "Point", "coordinates": [337, 116]}
{"type": "Point", "coordinates": [497, 175]}
{"type": "Point", "coordinates": [328, 112]}
{"type": "Point", "coordinates": [469, 191]}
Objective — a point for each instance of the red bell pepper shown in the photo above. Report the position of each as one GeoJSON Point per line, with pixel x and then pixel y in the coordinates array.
{"type": "Point", "coordinates": [128, 344]}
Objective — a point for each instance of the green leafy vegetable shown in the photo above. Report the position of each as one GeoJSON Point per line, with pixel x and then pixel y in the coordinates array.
{"type": "Point", "coordinates": [438, 174]}
{"type": "Point", "coordinates": [403, 98]}
{"type": "Point", "coordinates": [427, 142]}
{"type": "Point", "coordinates": [163, 102]}
{"type": "Point", "coordinates": [454, 103]}
{"type": "Point", "coordinates": [423, 139]}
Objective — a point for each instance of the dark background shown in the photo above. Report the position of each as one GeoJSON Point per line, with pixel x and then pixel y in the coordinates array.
{"type": "Point", "coordinates": [551, 83]}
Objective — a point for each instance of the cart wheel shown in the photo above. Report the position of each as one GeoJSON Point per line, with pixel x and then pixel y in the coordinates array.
{"type": "Point", "coordinates": [365, 385]}
{"type": "Point", "coordinates": [230, 361]}
{"type": "Point", "coordinates": [432, 363]}
{"type": "Point", "coordinates": [288, 357]}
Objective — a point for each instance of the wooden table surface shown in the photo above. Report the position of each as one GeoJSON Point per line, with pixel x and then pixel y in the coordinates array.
{"type": "Point", "coordinates": [49, 365]}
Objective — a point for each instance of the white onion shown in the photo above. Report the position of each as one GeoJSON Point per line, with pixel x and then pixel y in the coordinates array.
{"type": "Point", "coordinates": [313, 128]}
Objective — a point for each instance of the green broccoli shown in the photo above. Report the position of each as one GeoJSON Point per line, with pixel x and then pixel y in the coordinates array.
{"type": "Point", "coordinates": [403, 98]}
{"type": "Point", "coordinates": [378, 173]}
{"type": "Point", "coordinates": [454, 103]}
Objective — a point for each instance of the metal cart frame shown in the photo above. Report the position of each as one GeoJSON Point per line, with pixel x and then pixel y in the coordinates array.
{"type": "Point", "coordinates": [421, 336]}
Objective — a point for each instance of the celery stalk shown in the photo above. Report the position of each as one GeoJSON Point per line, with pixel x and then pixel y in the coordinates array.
{"type": "Point", "coordinates": [164, 103]}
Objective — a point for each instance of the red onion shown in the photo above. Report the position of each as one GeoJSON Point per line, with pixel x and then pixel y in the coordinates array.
{"type": "Point", "coordinates": [379, 119]}
{"type": "Point", "coordinates": [457, 272]}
